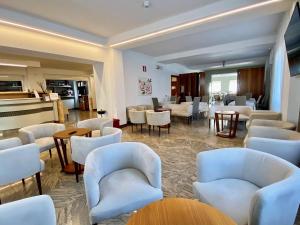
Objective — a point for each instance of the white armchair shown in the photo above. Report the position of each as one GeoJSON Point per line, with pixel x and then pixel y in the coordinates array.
{"type": "Point", "coordinates": [96, 125]}
{"type": "Point", "coordinates": [159, 119]}
{"type": "Point", "coordinates": [121, 178]}
{"type": "Point", "coordinates": [263, 114]}
{"type": "Point", "coordinates": [137, 117]}
{"type": "Point", "coordinates": [273, 123]}
{"type": "Point", "coordinates": [82, 146]}
{"type": "Point", "coordinates": [252, 187]}
{"type": "Point", "coordinates": [185, 110]}
{"type": "Point", "coordinates": [37, 210]}
{"type": "Point", "coordinates": [18, 162]}
{"type": "Point", "coordinates": [41, 134]}
{"type": "Point", "coordinates": [280, 142]}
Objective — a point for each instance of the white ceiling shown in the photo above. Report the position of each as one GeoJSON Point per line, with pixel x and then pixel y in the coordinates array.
{"type": "Point", "coordinates": [103, 17]}
{"type": "Point", "coordinates": [238, 37]}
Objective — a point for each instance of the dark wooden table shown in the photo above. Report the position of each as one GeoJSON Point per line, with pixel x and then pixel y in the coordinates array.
{"type": "Point", "coordinates": [232, 117]}
{"type": "Point", "coordinates": [162, 110]}
{"type": "Point", "coordinates": [61, 147]}
{"type": "Point", "coordinates": [179, 211]}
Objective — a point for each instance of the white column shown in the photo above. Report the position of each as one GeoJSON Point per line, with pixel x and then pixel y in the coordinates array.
{"type": "Point", "coordinates": [109, 85]}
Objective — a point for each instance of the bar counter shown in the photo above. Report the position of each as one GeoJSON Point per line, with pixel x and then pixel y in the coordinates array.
{"type": "Point", "coordinates": [20, 112]}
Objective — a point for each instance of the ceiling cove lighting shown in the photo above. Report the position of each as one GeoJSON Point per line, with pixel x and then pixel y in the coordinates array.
{"type": "Point", "coordinates": [196, 22]}
{"type": "Point", "coordinates": [12, 64]}
{"type": "Point", "coordinates": [49, 32]}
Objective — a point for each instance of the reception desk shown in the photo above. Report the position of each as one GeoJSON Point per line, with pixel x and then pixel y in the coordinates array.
{"type": "Point", "coordinates": [21, 112]}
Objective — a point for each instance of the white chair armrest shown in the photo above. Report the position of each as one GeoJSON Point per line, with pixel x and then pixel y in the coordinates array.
{"type": "Point", "coordinates": [286, 149]}
{"type": "Point", "coordinates": [10, 143]}
{"type": "Point", "coordinates": [269, 203]}
{"type": "Point", "coordinates": [19, 162]}
{"type": "Point", "coordinates": [269, 132]}
{"type": "Point", "coordinates": [34, 210]}
{"type": "Point", "coordinates": [26, 136]}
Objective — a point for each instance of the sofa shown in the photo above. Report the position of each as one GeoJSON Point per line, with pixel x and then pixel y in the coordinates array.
{"type": "Point", "coordinates": [263, 114]}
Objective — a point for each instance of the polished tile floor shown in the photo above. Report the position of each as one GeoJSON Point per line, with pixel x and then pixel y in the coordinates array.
{"type": "Point", "coordinates": [177, 151]}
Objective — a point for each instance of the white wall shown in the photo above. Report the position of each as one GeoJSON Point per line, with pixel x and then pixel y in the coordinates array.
{"type": "Point", "coordinates": [285, 90]}
{"type": "Point", "coordinates": [161, 78]}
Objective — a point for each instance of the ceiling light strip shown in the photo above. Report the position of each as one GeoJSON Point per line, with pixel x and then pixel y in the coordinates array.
{"type": "Point", "coordinates": [49, 32]}
{"type": "Point", "coordinates": [196, 22]}
{"type": "Point", "coordinates": [12, 64]}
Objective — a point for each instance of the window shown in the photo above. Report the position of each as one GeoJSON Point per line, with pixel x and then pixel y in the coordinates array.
{"type": "Point", "coordinates": [216, 86]}
{"type": "Point", "coordinates": [233, 86]}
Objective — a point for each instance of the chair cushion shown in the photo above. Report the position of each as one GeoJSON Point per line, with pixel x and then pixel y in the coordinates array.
{"type": "Point", "coordinates": [45, 143]}
{"type": "Point", "coordinates": [121, 192]}
{"type": "Point", "coordinates": [231, 196]}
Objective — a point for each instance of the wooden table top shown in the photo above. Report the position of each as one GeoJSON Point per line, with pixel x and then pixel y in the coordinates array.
{"type": "Point", "coordinates": [65, 134]}
{"type": "Point", "coordinates": [179, 211]}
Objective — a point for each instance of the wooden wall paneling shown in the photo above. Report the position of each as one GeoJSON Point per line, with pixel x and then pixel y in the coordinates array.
{"type": "Point", "coordinates": [202, 84]}
{"type": "Point", "coordinates": [189, 84]}
{"type": "Point", "coordinates": [175, 88]}
{"type": "Point", "coordinates": [251, 80]}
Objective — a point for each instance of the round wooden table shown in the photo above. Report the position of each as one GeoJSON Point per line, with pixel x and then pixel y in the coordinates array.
{"type": "Point", "coordinates": [232, 117]}
{"type": "Point", "coordinates": [60, 144]}
{"type": "Point", "coordinates": [179, 211]}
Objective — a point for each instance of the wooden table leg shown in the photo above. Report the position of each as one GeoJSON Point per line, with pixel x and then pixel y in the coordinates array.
{"type": "Point", "coordinates": [59, 154]}
{"type": "Point", "coordinates": [64, 148]}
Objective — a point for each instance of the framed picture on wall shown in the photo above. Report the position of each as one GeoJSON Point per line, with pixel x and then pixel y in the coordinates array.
{"type": "Point", "coordinates": [145, 86]}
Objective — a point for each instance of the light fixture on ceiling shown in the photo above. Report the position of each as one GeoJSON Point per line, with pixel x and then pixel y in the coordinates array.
{"type": "Point", "coordinates": [195, 22]}
{"type": "Point", "coordinates": [49, 32]}
{"type": "Point", "coordinates": [13, 65]}
{"type": "Point", "coordinates": [146, 4]}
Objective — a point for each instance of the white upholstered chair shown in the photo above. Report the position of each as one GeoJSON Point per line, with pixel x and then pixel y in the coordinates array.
{"type": "Point", "coordinates": [41, 134]}
{"type": "Point", "coordinates": [121, 178]}
{"type": "Point", "coordinates": [273, 123]}
{"type": "Point", "coordinates": [96, 125]}
{"type": "Point", "coordinates": [38, 210]}
{"type": "Point", "coordinates": [254, 188]}
{"type": "Point", "coordinates": [184, 109]}
{"type": "Point", "coordinates": [263, 114]}
{"type": "Point", "coordinates": [18, 162]}
{"type": "Point", "coordinates": [137, 117]}
{"type": "Point", "coordinates": [82, 146]}
{"type": "Point", "coordinates": [280, 142]}
{"type": "Point", "coordinates": [159, 119]}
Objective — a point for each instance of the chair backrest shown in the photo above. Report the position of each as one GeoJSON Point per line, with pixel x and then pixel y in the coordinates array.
{"type": "Point", "coordinates": [205, 98]}
{"type": "Point", "coordinates": [158, 118]}
{"type": "Point", "coordinates": [138, 117]}
{"type": "Point", "coordinates": [196, 105]}
{"type": "Point", "coordinates": [188, 98]}
{"type": "Point", "coordinates": [82, 146]}
{"type": "Point", "coordinates": [240, 100]}
{"type": "Point", "coordinates": [95, 123]}
{"type": "Point", "coordinates": [248, 95]}
{"type": "Point", "coordinates": [39, 131]}
{"type": "Point", "coordinates": [173, 98]}
{"type": "Point", "coordinates": [273, 132]}
{"type": "Point", "coordinates": [10, 143]}
{"type": "Point", "coordinates": [155, 103]}
{"type": "Point", "coordinates": [29, 211]}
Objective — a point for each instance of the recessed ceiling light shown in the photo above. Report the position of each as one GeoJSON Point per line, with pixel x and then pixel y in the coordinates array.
{"type": "Point", "coordinates": [49, 32]}
{"type": "Point", "coordinates": [195, 22]}
{"type": "Point", "coordinates": [12, 64]}
{"type": "Point", "coordinates": [146, 4]}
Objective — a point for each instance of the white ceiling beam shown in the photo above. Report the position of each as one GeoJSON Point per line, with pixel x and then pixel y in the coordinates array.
{"type": "Point", "coordinates": [42, 24]}
{"type": "Point", "coordinates": [203, 12]}
{"type": "Point", "coordinates": [219, 48]}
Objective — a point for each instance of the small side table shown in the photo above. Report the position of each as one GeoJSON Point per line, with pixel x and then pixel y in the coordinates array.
{"type": "Point", "coordinates": [59, 137]}
{"type": "Point", "coordinates": [232, 117]}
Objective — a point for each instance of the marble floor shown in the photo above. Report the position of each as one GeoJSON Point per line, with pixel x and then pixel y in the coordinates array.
{"type": "Point", "coordinates": [177, 151]}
